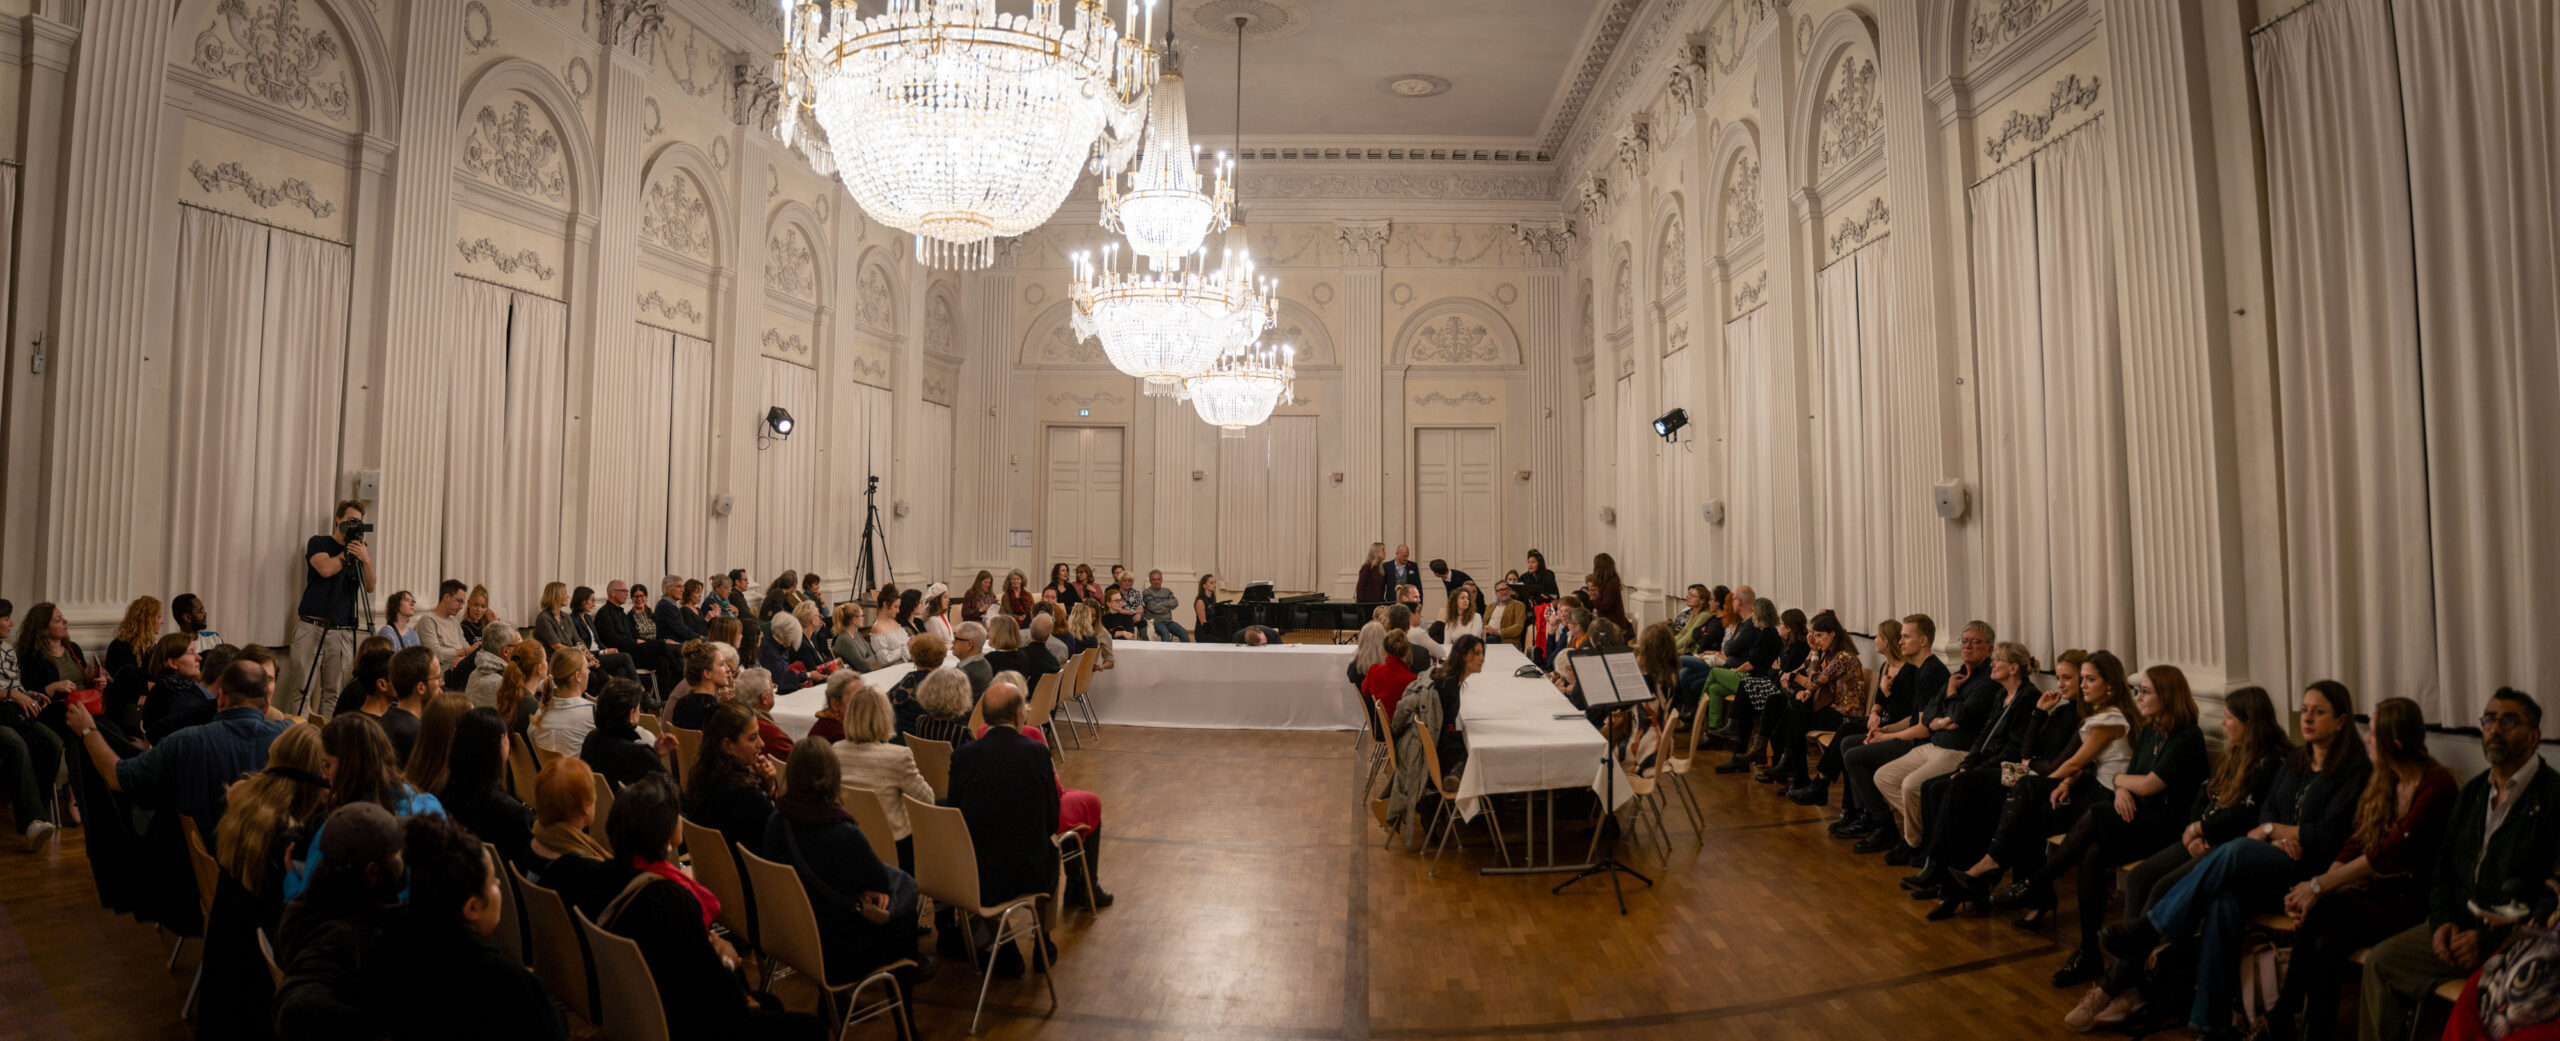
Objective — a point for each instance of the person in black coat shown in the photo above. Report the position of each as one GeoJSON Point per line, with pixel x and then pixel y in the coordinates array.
{"type": "Point", "coordinates": [731, 790]}
{"type": "Point", "coordinates": [669, 916]}
{"type": "Point", "coordinates": [1004, 784]}
{"type": "Point", "coordinates": [439, 950]}
{"type": "Point", "coordinates": [328, 931]}
{"type": "Point", "coordinates": [674, 622]}
{"type": "Point", "coordinates": [473, 793]}
{"type": "Point", "coordinates": [616, 748]}
{"type": "Point", "coordinates": [866, 910]}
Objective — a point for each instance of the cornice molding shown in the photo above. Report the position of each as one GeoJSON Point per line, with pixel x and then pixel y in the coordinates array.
{"type": "Point", "coordinates": [1614, 21]}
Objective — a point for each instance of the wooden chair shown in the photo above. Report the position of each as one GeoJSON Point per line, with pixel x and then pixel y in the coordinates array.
{"type": "Point", "coordinates": [933, 760]}
{"type": "Point", "coordinates": [1036, 714]}
{"type": "Point", "coordinates": [864, 806]}
{"type": "Point", "coordinates": [947, 871]}
{"type": "Point", "coordinates": [1380, 752]}
{"type": "Point", "coordinates": [789, 924]}
{"type": "Point", "coordinates": [1058, 683]}
{"type": "Point", "coordinates": [604, 811]}
{"type": "Point", "coordinates": [275, 973]}
{"type": "Point", "coordinates": [688, 748]}
{"type": "Point", "coordinates": [624, 986]}
{"type": "Point", "coordinates": [1380, 805]}
{"type": "Point", "coordinates": [716, 867]}
{"type": "Point", "coordinates": [1679, 781]}
{"type": "Point", "coordinates": [1448, 812]}
{"type": "Point", "coordinates": [558, 948]}
{"type": "Point", "coordinates": [510, 932]}
{"type": "Point", "coordinates": [650, 723]}
{"type": "Point", "coordinates": [208, 877]}
{"type": "Point", "coordinates": [522, 768]}
{"type": "Point", "coordinates": [1083, 667]}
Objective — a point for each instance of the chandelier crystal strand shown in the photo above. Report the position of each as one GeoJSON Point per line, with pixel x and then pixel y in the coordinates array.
{"type": "Point", "coordinates": [1164, 213]}
{"type": "Point", "coordinates": [962, 124]}
{"type": "Point", "coordinates": [1170, 325]}
{"type": "Point", "coordinates": [1243, 388]}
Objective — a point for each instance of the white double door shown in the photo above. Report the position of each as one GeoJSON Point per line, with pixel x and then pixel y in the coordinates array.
{"type": "Point", "coordinates": [1457, 512]}
{"type": "Point", "coordinates": [1085, 489]}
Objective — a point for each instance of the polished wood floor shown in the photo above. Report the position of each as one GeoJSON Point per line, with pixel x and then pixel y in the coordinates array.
{"type": "Point", "coordinates": [1255, 902]}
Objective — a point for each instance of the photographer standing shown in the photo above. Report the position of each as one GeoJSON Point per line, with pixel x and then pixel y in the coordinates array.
{"type": "Point", "coordinates": [324, 624]}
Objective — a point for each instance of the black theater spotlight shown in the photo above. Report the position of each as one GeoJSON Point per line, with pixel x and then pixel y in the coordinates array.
{"type": "Point", "coordinates": [1670, 423]}
{"type": "Point", "coordinates": [777, 427]}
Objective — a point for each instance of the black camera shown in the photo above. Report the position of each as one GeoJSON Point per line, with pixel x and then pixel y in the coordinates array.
{"type": "Point", "coordinates": [353, 528]}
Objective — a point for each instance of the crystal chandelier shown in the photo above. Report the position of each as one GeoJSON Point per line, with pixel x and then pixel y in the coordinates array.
{"type": "Point", "coordinates": [1167, 326]}
{"type": "Point", "coordinates": [1164, 213]}
{"type": "Point", "coordinates": [961, 124]}
{"type": "Point", "coordinates": [1243, 387]}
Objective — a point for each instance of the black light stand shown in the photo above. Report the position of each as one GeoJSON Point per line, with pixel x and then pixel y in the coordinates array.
{"type": "Point", "coordinates": [868, 577]}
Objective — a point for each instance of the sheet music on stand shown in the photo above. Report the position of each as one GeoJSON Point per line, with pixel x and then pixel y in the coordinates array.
{"type": "Point", "coordinates": [1616, 683]}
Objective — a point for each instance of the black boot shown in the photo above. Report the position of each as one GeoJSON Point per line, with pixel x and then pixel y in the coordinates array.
{"type": "Point", "coordinates": [2083, 966]}
{"type": "Point", "coordinates": [1815, 792]}
{"type": "Point", "coordinates": [1962, 892]}
{"type": "Point", "coordinates": [1076, 886]}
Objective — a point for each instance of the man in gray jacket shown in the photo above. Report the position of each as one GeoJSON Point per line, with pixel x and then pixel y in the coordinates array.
{"type": "Point", "coordinates": [1160, 604]}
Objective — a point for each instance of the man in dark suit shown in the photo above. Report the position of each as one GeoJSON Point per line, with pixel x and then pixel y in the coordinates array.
{"type": "Point", "coordinates": [1451, 579]}
{"type": "Point", "coordinates": [674, 622]}
{"type": "Point", "coordinates": [1402, 571]}
{"type": "Point", "coordinates": [614, 629]}
{"type": "Point", "coordinates": [1003, 784]}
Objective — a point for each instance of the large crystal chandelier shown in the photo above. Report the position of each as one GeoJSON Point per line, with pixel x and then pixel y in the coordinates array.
{"type": "Point", "coordinates": [961, 124]}
{"type": "Point", "coordinates": [1243, 387]}
{"type": "Point", "coordinates": [1167, 326]}
{"type": "Point", "coordinates": [1164, 213]}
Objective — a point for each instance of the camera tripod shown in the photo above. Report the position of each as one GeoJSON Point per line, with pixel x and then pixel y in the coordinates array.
{"type": "Point", "coordinates": [868, 576]}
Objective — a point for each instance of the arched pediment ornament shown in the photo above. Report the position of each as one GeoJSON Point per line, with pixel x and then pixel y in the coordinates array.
{"type": "Point", "coordinates": [1622, 296]}
{"type": "Point", "coordinates": [268, 52]}
{"type": "Point", "coordinates": [1671, 266]}
{"type": "Point", "coordinates": [1852, 113]}
{"type": "Point", "coordinates": [1052, 341]}
{"type": "Point", "coordinates": [1456, 331]}
{"type": "Point", "coordinates": [874, 303]}
{"type": "Point", "coordinates": [675, 215]}
{"type": "Point", "coordinates": [791, 264]}
{"type": "Point", "coordinates": [511, 147]}
{"type": "Point", "coordinates": [941, 333]}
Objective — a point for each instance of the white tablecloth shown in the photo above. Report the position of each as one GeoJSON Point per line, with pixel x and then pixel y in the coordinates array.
{"type": "Point", "coordinates": [1515, 743]}
{"type": "Point", "coordinates": [1226, 687]}
{"type": "Point", "coordinates": [797, 711]}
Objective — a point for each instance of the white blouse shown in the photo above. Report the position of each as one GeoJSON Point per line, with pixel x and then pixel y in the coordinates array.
{"type": "Point", "coordinates": [888, 649]}
{"type": "Point", "coordinates": [564, 725]}
{"type": "Point", "coordinates": [2118, 753]}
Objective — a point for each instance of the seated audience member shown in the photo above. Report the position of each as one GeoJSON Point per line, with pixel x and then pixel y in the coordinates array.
{"type": "Point", "coordinates": [565, 856]}
{"type": "Point", "coordinates": [980, 598]}
{"type": "Point", "coordinates": [1460, 618]}
{"type": "Point", "coordinates": [926, 653]}
{"type": "Point", "coordinates": [189, 613]}
{"type": "Point", "coordinates": [1158, 604]}
{"type": "Point", "coordinates": [476, 615]}
{"type": "Point", "coordinates": [1466, 658]}
{"type": "Point", "coordinates": [1043, 634]}
{"type": "Point", "coordinates": [888, 639]}
{"type": "Point", "coordinates": [1079, 811]}
{"type": "Point", "coordinates": [910, 613]}
{"type": "Point", "coordinates": [866, 910]}
{"type": "Point", "coordinates": [1892, 710]}
{"type": "Point", "coordinates": [525, 685]}
{"type": "Point", "coordinates": [1697, 629]}
{"type": "Point", "coordinates": [361, 770]}
{"type": "Point", "coordinates": [708, 676]}
{"type": "Point", "coordinates": [1940, 734]}
{"type": "Point", "coordinates": [934, 615]}
{"type": "Point", "coordinates": [2497, 850]}
{"type": "Point", "coordinates": [170, 775]}
{"type": "Point", "coordinates": [2042, 804]}
{"type": "Point", "coordinates": [1006, 789]}
{"type": "Point", "coordinates": [2148, 811]}
{"type": "Point", "coordinates": [1120, 605]}
{"type": "Point", "coordinates": [551, 626]}
{"type": "Point", "coordinates": [1016, 598]}
{"type": "Point", "coordinates": [669, 915]}
{"type": "Point", "coordinates": [754, 693]}
{"type": "Point", "coordinates": [1205, 626]}
{"type": "Point", "coordinates": [1008, 651]}
{"type": "Point", "coordinates": [560, 726]}
{"type": "Point", "coordinates": [327, 930]}
{"type": "Point", "coordinates": [619, 626]}
{"type": "Point", "coordinates": [1827, 695]}
{"type": "Point", "coordinates": [475, 791]}
{"type": "Point", "coordinates": [617, 747]}
{"type": "Point", "coordinates": [439, 949]}
{"type": "Point", "coordinates": [969, 655]}
{"type": "Point", "coordinates": [1399, 665]}
{"type": "Point", "coordinates": [813, 653]}
{"type": "Point", "coordinates": [411, 679]}
{"type": "Point", "coordinates": [583, 635]}
{"type": "Point", "coordinates": [1752, 647]}
{"type": "Point", "coordinates": [1061, 588]}
{"type": "Point", "coordinates": [178, 699]}
{"type": "Point", "coordinates": [489, 666]}
{"type": "Point", "coordinates": [432, 760]}
{"type": "Point", "coordinates": [940, 710]}
{"type": "Point", "coordinates": [50, 663]}
{"type": "Point", "coordinates": [30, 751]}
{"type": "Point", "coordinates": [782, 597]}
{"type": "Point", "coordinates": [249, 848]}
{"type": "Point", "coordinates": [673, 621]}
{"type": "Point", "coordinates": [1749, 699]}
{"type": "Point", "coordinates": [852, 644]}
{"type": "Point", "coordinates": [131, 645]}
{"type": "Point", "coordinates": [776, 655]}
{"type": "Point", "coordinates": [1958, 825]}
{"type": "Point", "coordinates": [2253, 873]}
{"type": "Point", "coordinates": [870, 759]}
{"type": "Point", "coordinates": [1368, 651]}
{"type": "Point", "coordinates": [731, 788]}
{"type": "Point", "coordinates": [1508, 620]}
{"type": "Point", "coordinates": [828, 727]}
{"type": "Point", "coordinates": [1087, 590]}
{"type": "Point", "coordinates": [440, 631]}
{"type": "Point", "coordinates": [1085, 624]}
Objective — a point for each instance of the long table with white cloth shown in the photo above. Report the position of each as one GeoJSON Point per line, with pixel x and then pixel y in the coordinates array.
{"type": "Point", "coordinates": [1517, 743]}
{"type": "Point", "coordinates": [797, 711]}
{"type": "Point", "coordinates": [1220, 686]}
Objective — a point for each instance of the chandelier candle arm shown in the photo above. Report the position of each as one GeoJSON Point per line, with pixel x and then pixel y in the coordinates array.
{"type": "Point", "coordinates": [1243, 388]}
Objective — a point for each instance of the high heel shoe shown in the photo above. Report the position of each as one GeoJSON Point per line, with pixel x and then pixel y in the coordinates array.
{"type": "Point", "coordinates": [1960, 893]}
{"type": "Point", "coordinates": [2023, 894]}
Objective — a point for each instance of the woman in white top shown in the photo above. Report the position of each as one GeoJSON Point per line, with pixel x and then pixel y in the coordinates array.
{"type": "Point", "coordinates": [870, 761]}
{"type": "Point", "coordinates": [2040, 806]}
{"type": "Point", "coordinates": [1461, 618]}
{"type": "Point", "coordinates": [888, 640]}
{"type": "Point", "coordinates": [560, 726]}
{"type": "Point", "coordinates": [937, 611]}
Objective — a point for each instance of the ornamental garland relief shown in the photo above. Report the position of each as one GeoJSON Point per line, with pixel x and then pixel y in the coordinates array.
{"type": "Point", "coordinates": [516, 152]}
{"type": "Point", "coordinates": [269, 54]}
{"type": "Point", "coordinates": [1454, 341]}
{"type": "Point", "coordinates": [508, 263]}
{"type": "Point", "coordinates": [674, 215]}
{"type": "Point", "coordinates": [1671, 269]}
{"type": "Point", "coordinates": [1859, 229]}
{"type": "Point", "coordinates": [656, 301]}
{"type": "Point", "coordinates": [2068, 93]}
{"type": "Point", "coordinates": [790, 264]}
{"type": "Point", "coordinates": [792, 348]}
{"type": "Point", "coordinates": [1997, 23]}
{"type": "Point", "coordinates": [1852, 114]}
{"type": "Point", "coordinates": [871, 304]}
{"type": "Point", "coordinates": [291, 189]}
{"type": "Point", "coordinates": [1742, 200]}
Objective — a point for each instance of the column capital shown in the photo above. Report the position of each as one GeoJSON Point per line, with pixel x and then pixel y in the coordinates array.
{"type": "Point", "coordinates": [1545, 242]}
{"type": "Point", "coordinates": [1364, 242]}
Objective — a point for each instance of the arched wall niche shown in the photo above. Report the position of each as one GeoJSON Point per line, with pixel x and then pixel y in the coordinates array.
{"type": "Point", "coordinates": [1736, 203]}
{"type": "Point", "coordinates": [1838, 130]}
{"type": "Point", "coordinates": [875, 293]}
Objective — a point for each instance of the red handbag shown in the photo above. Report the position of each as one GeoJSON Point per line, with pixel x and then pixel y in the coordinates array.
{"type": "Point", "coordinates": [91, 701]}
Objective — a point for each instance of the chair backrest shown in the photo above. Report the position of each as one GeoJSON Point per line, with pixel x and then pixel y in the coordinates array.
{"type": "Point", "coordinates": [510, 934]}
{"type": "Point", "coordinates": [717, 869]}
{"type": "Point", "coordinates": [688, 748]}
{"type": "Point", "coordinates": [1378, 717]}
{"type": "Point", "coordinates": [946, 863]}
{"type": "Point", "coordinates": [650, 723]}
{"type": "Point", "coordinates": [200, 860]}
{"type": "Point", "coordinates": [522, 769]}
{"type": "Point", "coordinates": [604, 811]}
{"type": "Point", "coordinates": [559, 951]}
{"type": "Point", "coordinates": [275, 972]}
{"type": "Point", "coordinates": [624, 986]}
{"type": "Point", "coordinates": [1085, 664]}
{"type": "Point", "coordinates": [978, 716]}
{"type": "Point", "coordinates": [873, 818]}
{"type": "Point", "coordinates": [1431, 762]}
{"type": "Point", "coordinates": [1044, 700]}
{"type": "Point", "coordinates": [785, 918]}
{"type": "Point", "coordinates": [933, 760]}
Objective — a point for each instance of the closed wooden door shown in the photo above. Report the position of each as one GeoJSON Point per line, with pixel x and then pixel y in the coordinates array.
{"type": "Point", "coordinates": [1457, 515]}
{"type": "Point", "coordinates": [1084, 491]}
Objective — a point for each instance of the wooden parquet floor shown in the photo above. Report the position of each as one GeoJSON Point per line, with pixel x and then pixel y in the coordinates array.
{"type": "Point", "coordinates": [1255, 902]}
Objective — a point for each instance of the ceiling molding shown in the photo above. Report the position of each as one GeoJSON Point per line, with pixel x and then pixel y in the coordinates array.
{"type": "Point", "coordinates": [1608, 29]}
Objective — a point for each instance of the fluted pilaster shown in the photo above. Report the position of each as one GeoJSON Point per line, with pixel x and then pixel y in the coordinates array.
{"type": "Point", "coordinates": [418, 296]}
{"type": "Point", "coordinates": [2169, 275]}
{"type": "Point", "coordinates": [51, 47]}
{"type": "Point", "coordinates": [1922, 354]}
{"type": "Point", "coordinates": [109, 315]}
{"type": "Point", "coordinates": [1787, 330]}
{"type": "Point", "coordinates": [982, 492]}
{"type": "Point", "coordinates": [614, 362]}
{"type": "Point", "coordinates": [1364, 457]}
{"type": "Point", "coordinates": [1555, 482]}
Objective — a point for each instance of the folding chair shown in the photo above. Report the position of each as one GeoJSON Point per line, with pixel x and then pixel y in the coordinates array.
{"type": "Point", "coordinates": [789, 925]}
{"type": "Point", "coordinates": [947, 871]}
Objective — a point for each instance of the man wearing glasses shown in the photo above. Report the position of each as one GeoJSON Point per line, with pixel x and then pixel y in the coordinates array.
{"type": "Point", "coordinates": [1941, 734]}
{"type": "Point", "coordinates": [2497, 852]}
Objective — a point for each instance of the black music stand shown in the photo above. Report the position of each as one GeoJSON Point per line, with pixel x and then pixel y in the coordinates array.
{"type": "Point", "coordinates": [1599, 674]}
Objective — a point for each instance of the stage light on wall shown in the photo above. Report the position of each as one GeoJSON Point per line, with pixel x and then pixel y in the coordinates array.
{"type": "Point", "coordinates": [777, 426]}
{"type": "Point", "coordinates": [1670, 423]}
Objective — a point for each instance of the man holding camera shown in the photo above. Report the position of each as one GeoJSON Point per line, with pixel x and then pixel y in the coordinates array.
{"type": "Point", "coordinates": [324, 624]}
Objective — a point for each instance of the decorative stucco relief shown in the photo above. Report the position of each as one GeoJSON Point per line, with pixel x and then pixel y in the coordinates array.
{"type": "Point", "coordinates": [516, 151]}
{"type": "Point", "coordinates": [290, 190]}
{"type": "Point", "coordinates": [484, 250]}
{"type": "Point", "coordinates": [791, 264]}
{"type": "Point", "coordinates": [1852, 113]}
{"type": "Point", "coordinates": [270, 55]}
{"type": "Point", "coordinates": [2069, 92]}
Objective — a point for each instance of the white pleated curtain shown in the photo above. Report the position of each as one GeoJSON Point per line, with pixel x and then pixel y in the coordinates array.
{"type": "Point", "coordinates": [258, 361]}
{"type": "Point", "coordinates": [626, 532]}
{"type": "Point", "coordinates": [2483, 124]}
{"type": "Point", "coordinates": [1755, 422]}
{"type": "Point", "coordinates": [2058, 569]}
{"type": "Point", "coordinates": [688, 504]}
{"type": "Point", "coordinates": [475, 422]}
{"type": "Point", "coordinates": [1849, 553]}
{"type": "Point", "coordinates": [506, 416]}
{"type": "Point", "coordinates": [927, 549]}
{"type": "Point", "coordinates": [1266, 518]}
{"type": "Point", "coordinates": [1685, 469]}
{"type": "Point", "coordinates": [2345, 310]}
{"type": "Point", "coordinates": [788, 473]}
{"type": "Point", "coordinates": [868, 413]}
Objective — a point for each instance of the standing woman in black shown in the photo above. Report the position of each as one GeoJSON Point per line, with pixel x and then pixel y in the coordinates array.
{"type": "Point", "coordinates": [1537, 582]}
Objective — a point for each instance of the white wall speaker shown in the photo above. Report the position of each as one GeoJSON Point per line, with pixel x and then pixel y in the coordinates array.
{"type": "Point", "coordinates": [722, 504]}
{"type": "Point", "coordinates": [1953, 497]}
{"type": "Point", "coordinates": [1712, 512]}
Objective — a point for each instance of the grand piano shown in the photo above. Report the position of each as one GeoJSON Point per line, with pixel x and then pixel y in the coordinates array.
{"type": "Point", "coordinates": [1258, 606]}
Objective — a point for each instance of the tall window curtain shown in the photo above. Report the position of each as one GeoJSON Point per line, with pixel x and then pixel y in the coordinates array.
{"type": "Point", "coordinates": [689, 458]}
{"type": "Point", "coordinates": [788, 473]}
{"type": "Point", "coordinates": [528, 553]}
{"type": "Point", "coordinates": [259, 353]}
{"type": "Point", "coordinates": [1686, 471]}
{"type": "Point", "coordinates": [1266, 516]}
{"type": "Point", "coordinates": [1631, 439]}
{"type": "Point", "coordinates": [2483, 123]}
{"type": "Point", "coordinates": [1848, 562]}
{"type": "Point", "coordinates": [2055, 514]}
{"type": "Point", "coordinates": [869, 413]}
{"type": "Point", "coordinates": [2356, 538]}
{"type": "Point", "coordinates": [1755, 423]}
{"type": "Point", "coordinates": [928, 495]}
{"type": "Point", "coordinates": [626, 535]}
{"type": "Point", "coordinates": [475, 416]}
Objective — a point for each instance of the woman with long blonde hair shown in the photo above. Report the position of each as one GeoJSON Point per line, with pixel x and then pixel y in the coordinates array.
{"type": "Point", "coordinates": [560, 726]}
{"type": "Point", "coordinates": [520, 689]}
{"type": "Point", "coordinates": [261, 814]}
{"type": "Point", "coordinates": [134, 636]}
